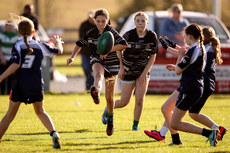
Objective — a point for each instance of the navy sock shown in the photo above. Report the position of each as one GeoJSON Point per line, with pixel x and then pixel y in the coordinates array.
{"type": "Point", "coordinates": [176, 138]}
{"type": "Point", "coordinates": [51, 133]}
{"type": "Point", "coordinates": [206, 132]}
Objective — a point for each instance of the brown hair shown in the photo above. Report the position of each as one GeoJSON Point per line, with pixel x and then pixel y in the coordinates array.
{"type": "Point", "coordinates": [102, 12]}
{"type": "Point", "coordinates": [141, 14]}
{"type": "Point", "coordinates": [25, 28]}
{"type": "Point", "coordinates": [196, 31]}
{"type": "Point", "coordinates": [210, 38]}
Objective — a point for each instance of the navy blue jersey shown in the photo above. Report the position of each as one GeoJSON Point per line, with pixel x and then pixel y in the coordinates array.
{"type": "Point", "coordinates": [28, 78]}
{"type": "Point", "coordinates": [191, 64]}
{"type": "Point", "coordinates": [137, 54]}
{"type": "Point", "coordinates": [209, 71]}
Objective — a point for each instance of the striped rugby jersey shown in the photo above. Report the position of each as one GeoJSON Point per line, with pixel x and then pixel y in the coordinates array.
{"type": "Point", "coordinates": [90, 39]}
{"type": "Point", "coordinates": [6, 43]}
{"type": "Point", "coordinates": [137, 54]}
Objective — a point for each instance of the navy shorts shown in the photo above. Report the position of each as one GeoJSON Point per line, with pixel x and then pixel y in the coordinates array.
{"type": "Point", "coordinates": [187, 98]}
{"type": "Point", "coordinates": [198, 106]}
{"type": "Point", "coordinates": [18, 96]}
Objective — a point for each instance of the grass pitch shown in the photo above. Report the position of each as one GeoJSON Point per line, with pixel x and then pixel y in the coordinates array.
{"type": "Point", "coordinates": [78, 120]}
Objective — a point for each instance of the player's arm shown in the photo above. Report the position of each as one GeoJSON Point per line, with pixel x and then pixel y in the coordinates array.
{"type": "Point", "coordinates": [121, 72]}
{"type": "Point", "coordinates": [58, 41]}
{"type": "Point", "coordinates": [10, 70]}
{"type": "Point", "coordinates": [149, 64]}
{"type": "Point", "coordinates": [118, 47]}
{"type": "Point", "coordinates": [178, 70]}
{"type": "Point", "coordinates": [172, 51]}
{"type": "Point", "coordinates": [120, 42]}
{"type": "Point", "coordinates": [181, 56]}
{"type": "Point", "coordinates": [74, 53]}
{"type": "Point", "coordinates": [2, 57]}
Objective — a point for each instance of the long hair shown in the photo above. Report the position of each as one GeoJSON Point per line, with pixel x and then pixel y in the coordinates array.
{"type": "Point", "coordinates": [196, 31]}
{"type": "Point", "coordinates": [25, 28]}
{"type": "Point", "coordinates": [211, 38]}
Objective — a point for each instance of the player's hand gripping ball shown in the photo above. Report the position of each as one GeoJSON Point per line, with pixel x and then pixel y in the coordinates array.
{"type": "Point", "coordinates": [105, 43]}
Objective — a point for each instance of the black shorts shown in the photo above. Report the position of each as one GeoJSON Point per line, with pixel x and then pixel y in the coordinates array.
{"type": "Point", "coordinates": [17, 96]}
{"type": "Point", "coordinates": [199, 105]}
{"type": "Point", "coordinates": [110, 70]}
{"type": "Point", "coordinates": [133, 77]}
{"type": "Point", "coordinates": [179, 89]}
{"type": "Point", "coordinates": [187, 98]}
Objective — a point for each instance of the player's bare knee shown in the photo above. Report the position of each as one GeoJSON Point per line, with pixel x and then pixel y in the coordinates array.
{"type": "Point", "coordinates": [124, 103]}
{"type": "Point", "coordinates": [139, 104]}
{"type": "Point", "coordinates": [194, 116]}
{"type": "Point", "coordinates": [98, 76]}
{"type": "Point", "coordinates": [174, 125]}
{"type": "Point", "coordinates": [40, 112]}
{"type": "Point", "coordinates": [109, 99]}
{"type": "Point", "coordinates": [163, 109]}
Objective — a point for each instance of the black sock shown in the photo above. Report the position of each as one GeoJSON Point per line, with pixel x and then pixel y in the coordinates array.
{"type": "Point", "coordinates": [51, 133]}
{"type": "Point", "coordinates": [206, 132]}
{"type": "Point", "coordinates": [176, 138]}
{"type": "Point", "coordinates": [135, 123]}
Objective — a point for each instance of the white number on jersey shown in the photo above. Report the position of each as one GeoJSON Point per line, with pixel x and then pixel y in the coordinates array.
{"type": "Point", "coordinates": [29, 59]}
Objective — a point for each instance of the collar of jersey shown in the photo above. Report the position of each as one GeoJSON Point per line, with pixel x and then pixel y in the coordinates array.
{"type": "Point", "coordinates": [194, 44]}
{"type": "Point", "coordinates": [28, 38]}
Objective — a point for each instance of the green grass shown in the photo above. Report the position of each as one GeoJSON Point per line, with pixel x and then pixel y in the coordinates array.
{"type": "Point", "coordinates": [74, 70]}
{"type": "Point", "coordinates": [81, 129]}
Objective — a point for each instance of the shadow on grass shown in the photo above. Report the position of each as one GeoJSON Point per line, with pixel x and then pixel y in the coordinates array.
{"type": "Point", "coordinates": [44, 133]}
{"type": "Point", "coordinates": [37, 133]}
{"type": "Point", "coordinates": [109, 146]}
{"type": "Point", "coordinates": [220, 152]}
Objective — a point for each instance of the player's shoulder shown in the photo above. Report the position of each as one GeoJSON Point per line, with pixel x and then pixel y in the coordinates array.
{"type": "Point", "coordinates": [92, 31]}
{"type": "Point", "coordinates": [208, 48]}
{"type": "Point", "coordinates": [152, 33]}
{"type": "Point", "coordinates": [111, 29]}
{"type": "Point", "coordinates": [131, 32]}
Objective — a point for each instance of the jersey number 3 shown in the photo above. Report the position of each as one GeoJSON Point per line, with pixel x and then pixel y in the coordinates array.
{"type": "Point", "coordinates": [29, 59]}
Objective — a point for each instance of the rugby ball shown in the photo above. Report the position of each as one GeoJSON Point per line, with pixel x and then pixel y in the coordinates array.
{"type": "Point", "coordinates": [105, 43]}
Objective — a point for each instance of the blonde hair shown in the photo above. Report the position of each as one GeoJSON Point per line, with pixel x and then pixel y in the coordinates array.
{"type": "Point", "coordinates": [175, 7]}
{"type": "Point", "coordinates": [210, 38]}
{"type": "Point", "coordinates": [26, 28]}
{"type": "Point", "coordinates": [141, 14]}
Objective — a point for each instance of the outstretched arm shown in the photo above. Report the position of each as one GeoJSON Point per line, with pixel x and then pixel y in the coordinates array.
{"type": "Point", "coordinates": [118, 47]}
{"type": "Point", "coordinates": [58, 41]}
{"type": "Point", "coordinates": [74, 53]}
{"type": "Point", "coordinates": [10, 70]}
{"type": "Point", "coordinates": [144, 75]}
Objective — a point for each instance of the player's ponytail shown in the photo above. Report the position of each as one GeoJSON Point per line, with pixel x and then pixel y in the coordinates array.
{"type": "Point", "coordinates": [25, 28]}
{"type": "Point", "coordinates": [202, 47]}
{"type": "Point", "coordinates": [211, 39]}
{"type": "Point", "coordinates": [215, 43]}
{"type": "Point", "coordinates": [196, 31]}
{"type": "Point", "coordinates": [30, 50]}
